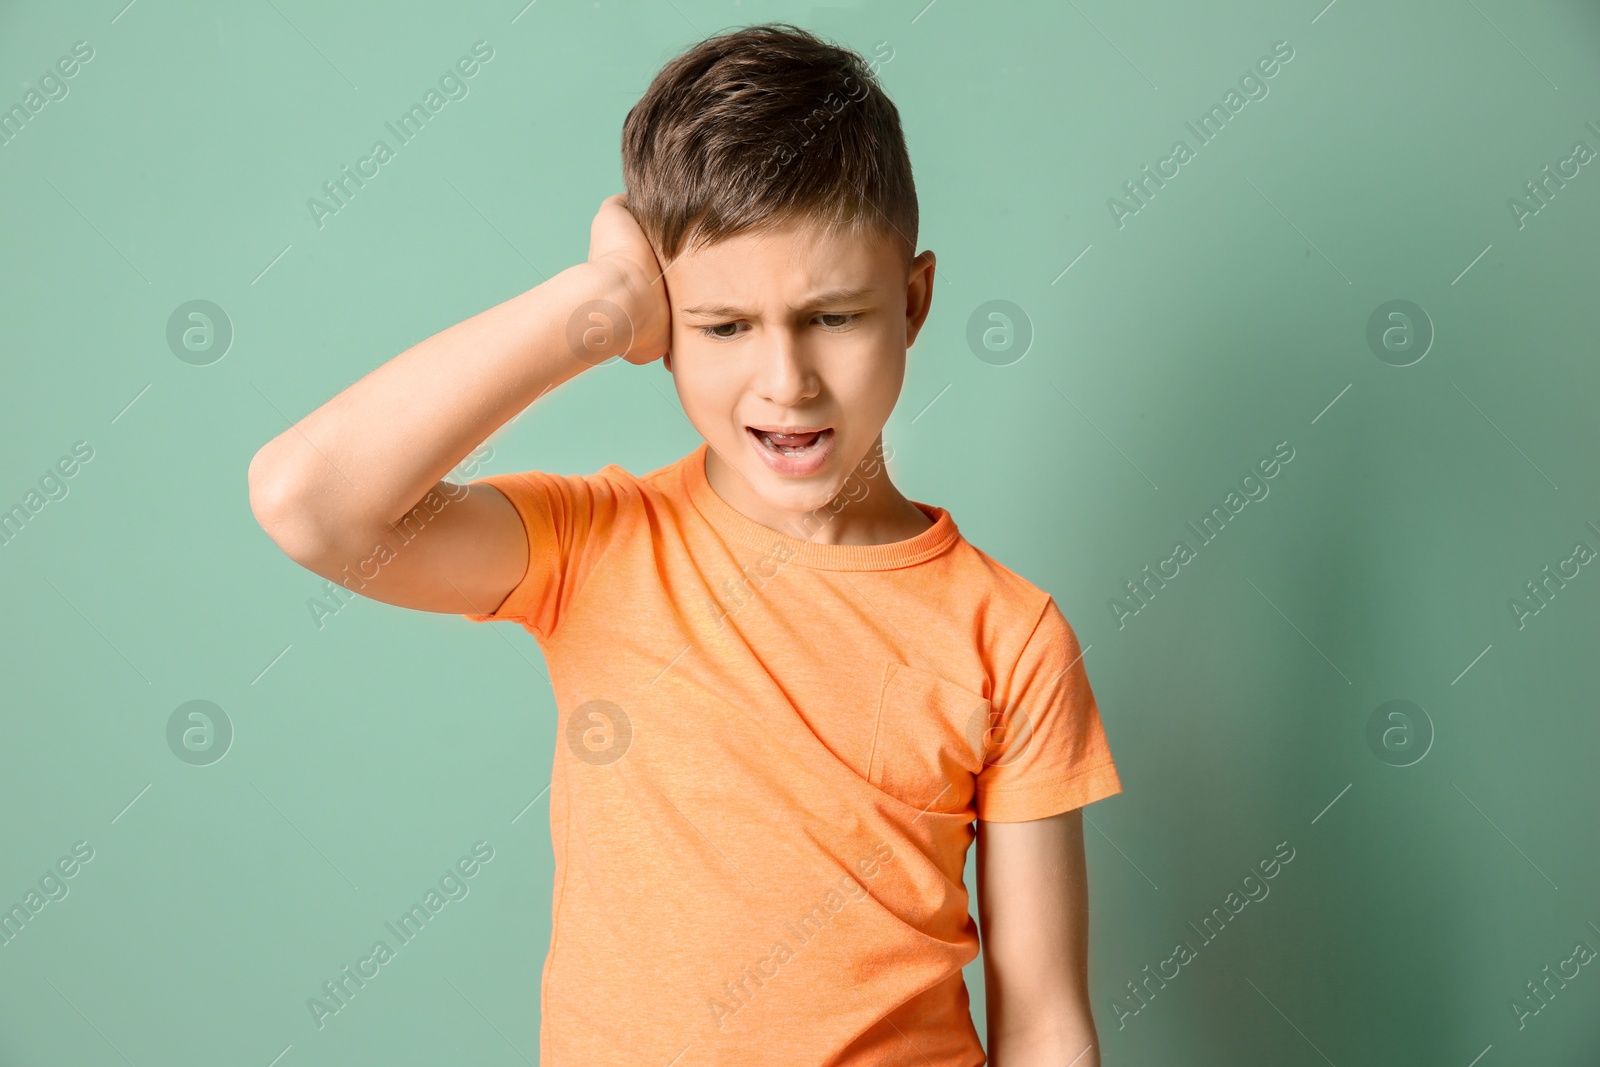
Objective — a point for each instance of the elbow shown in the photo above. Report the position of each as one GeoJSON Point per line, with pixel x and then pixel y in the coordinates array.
{"type": "Point", "coordinates": [280, 511]}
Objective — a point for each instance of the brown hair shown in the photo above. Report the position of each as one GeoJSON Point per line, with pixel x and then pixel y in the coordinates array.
{"type": "Point", "coordinates": [760, 127]}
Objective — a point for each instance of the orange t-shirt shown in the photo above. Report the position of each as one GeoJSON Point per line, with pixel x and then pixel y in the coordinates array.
{"type": "Point", "coordinates": [769, 756]}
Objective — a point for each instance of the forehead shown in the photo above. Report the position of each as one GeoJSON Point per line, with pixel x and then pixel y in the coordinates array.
{"type": "Point", "coordinates": [784, 264]}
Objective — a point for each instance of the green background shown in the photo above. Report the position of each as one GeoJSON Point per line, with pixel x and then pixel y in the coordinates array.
{"type": "Point", "coordinates": [1228, 314]}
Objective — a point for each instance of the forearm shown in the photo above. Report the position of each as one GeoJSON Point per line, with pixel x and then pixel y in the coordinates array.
{"type": "Point", "coordinates": [366, 457]}
{"type": "Point", "coordinates": [1072, 1043]}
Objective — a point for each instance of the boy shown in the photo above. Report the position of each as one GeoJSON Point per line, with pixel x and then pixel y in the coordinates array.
{"type": "Point", "coordinates": [790, 697]}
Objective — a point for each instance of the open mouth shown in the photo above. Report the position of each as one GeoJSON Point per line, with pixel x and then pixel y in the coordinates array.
{"type": "Point", "coordinates": [792, 444]}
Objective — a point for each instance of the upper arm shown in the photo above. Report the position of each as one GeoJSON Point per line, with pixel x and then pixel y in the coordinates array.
{"type": "Point", "coordinates": [517, 546]}
{"type": "Point", "coordinates": [1033, 912]}
{"type": "Point", "coordinates": [1045, 750]}
{"type": "Point", "coordinates": [461, 549]}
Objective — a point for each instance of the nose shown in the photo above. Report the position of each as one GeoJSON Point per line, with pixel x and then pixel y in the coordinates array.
{"type": "Point", "coordinates": [786, 378]}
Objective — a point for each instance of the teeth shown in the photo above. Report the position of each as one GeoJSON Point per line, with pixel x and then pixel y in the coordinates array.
{"type": "Point", "coordinates": [772, 441]}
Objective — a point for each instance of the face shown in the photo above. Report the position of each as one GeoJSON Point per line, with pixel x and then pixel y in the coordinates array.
{"type": "Point", "coordinates": [795, 328]}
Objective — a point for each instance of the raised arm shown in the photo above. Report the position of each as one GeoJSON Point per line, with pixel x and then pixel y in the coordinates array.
{"type": "Point", "coordinates": [358, 483]}
{"type": "Point", "coordinates": [1033, 914]}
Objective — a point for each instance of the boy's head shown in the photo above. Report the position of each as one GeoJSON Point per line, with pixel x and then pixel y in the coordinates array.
{"type": "Point", "coordinates": [769, 172]}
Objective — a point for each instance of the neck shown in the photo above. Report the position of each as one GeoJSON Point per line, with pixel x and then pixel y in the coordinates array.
{"type": "Point", "coordinates": [867, 510]}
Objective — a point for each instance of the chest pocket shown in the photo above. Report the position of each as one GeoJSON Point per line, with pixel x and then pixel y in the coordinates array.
{"type": "Point", "coordinates": [929, 739]}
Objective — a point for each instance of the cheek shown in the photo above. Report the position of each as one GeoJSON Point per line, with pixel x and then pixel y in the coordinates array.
{"type": "Point", "coordinates": [870, 378]}
{"type": "Point", "coordinates": [704, 386]}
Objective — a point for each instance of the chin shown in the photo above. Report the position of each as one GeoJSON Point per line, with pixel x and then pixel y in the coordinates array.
{"type": "Point", "coordinates": [791, 497]}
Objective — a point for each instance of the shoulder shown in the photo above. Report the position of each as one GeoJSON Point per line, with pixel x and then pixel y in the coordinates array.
{"type": "Point", "coordinates": [1015, 601]}
{"type": "Point", "coordinates": [609, 480]}
{"type": "Point", "coordinates": [669, 480]}
{"type": "Point", "coordinates": [1010, 620]}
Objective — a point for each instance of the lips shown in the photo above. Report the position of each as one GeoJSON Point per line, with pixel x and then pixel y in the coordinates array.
{"type": "Point", "coordinates": [795, 440]}
{"type": "Point", "coordinates": [795, 451]}
{"type": "Point", "coordinates": [775, 428]}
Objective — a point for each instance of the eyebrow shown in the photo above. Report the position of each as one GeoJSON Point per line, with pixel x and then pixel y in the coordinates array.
{"type": "Point", "coordinates": [840, 295]}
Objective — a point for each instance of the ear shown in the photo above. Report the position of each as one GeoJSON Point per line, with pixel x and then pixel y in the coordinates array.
{"type": "Point", "coordinates": [666, 359]}
{"type": "Point", "coordinates": [919, 294]}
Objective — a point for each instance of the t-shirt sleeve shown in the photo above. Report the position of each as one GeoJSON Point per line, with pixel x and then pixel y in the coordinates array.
{"type": "Point", "coordinates": [1046, 751]}
{"type": "Point", "coordinates": [568, 519]}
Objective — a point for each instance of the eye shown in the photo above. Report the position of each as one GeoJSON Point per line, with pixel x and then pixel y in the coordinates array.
{"type": "Point", "coordinates": [847, 320]}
